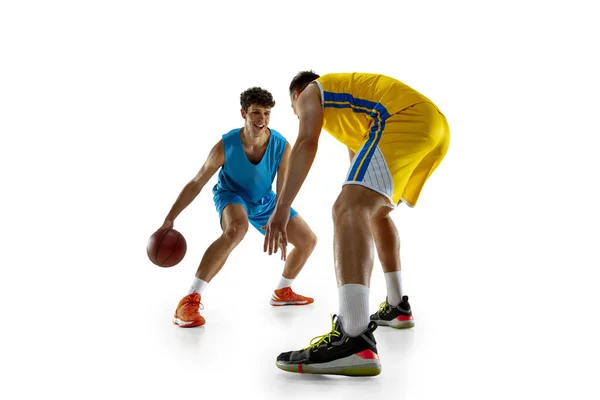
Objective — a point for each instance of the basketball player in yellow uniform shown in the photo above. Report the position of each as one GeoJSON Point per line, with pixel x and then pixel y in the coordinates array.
{"type": "Point", "coordinates": [396, 138]}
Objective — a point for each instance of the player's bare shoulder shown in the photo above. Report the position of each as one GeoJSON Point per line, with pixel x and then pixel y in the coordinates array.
{"type": "Point", "coordinates": [309, 109]}
{"type": "Point", "coordinates": [311, 96]}
{"type": "Point", "coordinates": [288, 148]}
{"type": "Point", "coordinates": [216, 157]}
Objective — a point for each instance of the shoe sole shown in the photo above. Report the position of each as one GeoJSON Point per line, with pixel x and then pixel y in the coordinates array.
{"type": "Point", "coordinates": [186, 324]}
{"type": "Point", "coordinates": [365, 369]}
{"type": "Point", "coordinates": [396, 324]}
{"type": "Point", "coordinates": [289, 303]}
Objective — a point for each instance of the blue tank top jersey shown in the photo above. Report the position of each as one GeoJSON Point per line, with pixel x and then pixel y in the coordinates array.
{"type": "Point", "coordinates": [251, 181]}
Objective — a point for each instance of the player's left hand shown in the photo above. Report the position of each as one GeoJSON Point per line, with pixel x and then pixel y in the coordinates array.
{"type": "Point", "coordinates": [276, 233]}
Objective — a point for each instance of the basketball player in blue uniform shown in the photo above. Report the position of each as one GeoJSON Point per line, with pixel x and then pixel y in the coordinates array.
{"type": "Point", "coordinates": [249, 158]}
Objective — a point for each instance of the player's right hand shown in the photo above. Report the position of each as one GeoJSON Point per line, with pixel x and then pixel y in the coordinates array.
{"type": "Point", "coordinates": [168, 224]}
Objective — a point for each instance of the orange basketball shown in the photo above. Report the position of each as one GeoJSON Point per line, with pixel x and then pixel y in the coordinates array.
{"type": "Point", "coordinates": [166, 247]}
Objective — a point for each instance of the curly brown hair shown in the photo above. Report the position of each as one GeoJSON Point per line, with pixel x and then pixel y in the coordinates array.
{"type": "Point", "coordinates": [256, 96]}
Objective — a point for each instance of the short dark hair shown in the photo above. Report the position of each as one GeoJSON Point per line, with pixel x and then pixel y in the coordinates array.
{"type": "Point", "coordinates": [256, 96]}
{"type": "Point", "coordinates": [302, 79]}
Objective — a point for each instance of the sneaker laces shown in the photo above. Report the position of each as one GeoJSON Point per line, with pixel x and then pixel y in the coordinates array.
{"type": "Point", "coordinates": [384, 308]}
{"type": "Point", "coordinates": [200, 306]}
{"type": "Point", "coordinates": [326, 338]}
{"type": "Point", "coordinates": [288, 294]}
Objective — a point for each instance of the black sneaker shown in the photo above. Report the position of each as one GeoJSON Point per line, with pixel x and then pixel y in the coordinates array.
{"type": "Point", "coordinates": [399, 317]}
{"type": "Point", "coordinates": [335, 353]}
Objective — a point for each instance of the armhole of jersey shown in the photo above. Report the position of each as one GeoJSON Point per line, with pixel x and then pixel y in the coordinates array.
{"type": "Point", "coordinates": [322, 94]}
{"type": "Point", "coordinates": [227, 140]}
{"type": "Point", "coordinates": [273, 148]}
{"type": "Point", "coordinates": [224, 152]}
{"type": "Point", "coordinates": [283, 141]}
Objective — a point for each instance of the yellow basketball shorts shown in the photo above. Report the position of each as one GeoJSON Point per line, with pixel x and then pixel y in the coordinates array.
{"type": "Point", "coordinates": [397, 160]}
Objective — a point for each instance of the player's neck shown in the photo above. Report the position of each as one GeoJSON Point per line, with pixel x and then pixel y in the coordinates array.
{"type": "Point", "coordinates": [249, 140]}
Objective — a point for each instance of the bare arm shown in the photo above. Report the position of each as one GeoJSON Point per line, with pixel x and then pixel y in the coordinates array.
{"type": "Point", "coordinates": [304, 151]}
{"type": "Point", "coordinates": [283, 166]}
{"type": "Point", "coordinates": [215, 159]}
{"type": "Point", "coordinates": [350, 154]}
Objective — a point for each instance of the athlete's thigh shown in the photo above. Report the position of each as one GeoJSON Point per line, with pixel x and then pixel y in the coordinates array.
{"type": "Point", "coordinates": [261, 212]}
{"type": "Point", "coordinates": [234, 215]}
{"type": "Point", "coordinates": [392, 156]}
{"type": "Point", "coordinates": [359, 196]}
{"type": "Point", "coordinates": [231, 208]}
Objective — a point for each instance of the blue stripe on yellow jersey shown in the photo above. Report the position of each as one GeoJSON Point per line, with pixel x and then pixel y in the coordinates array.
{"type": "Point", "coordinates": [373, 110]}
{"type": "Point", "coordinates": [353, 102]}
{"type": "Point", "coordinates": [344, 100]}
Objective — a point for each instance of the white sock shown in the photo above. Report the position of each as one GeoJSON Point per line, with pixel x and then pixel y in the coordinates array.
{"type": "Point", "coordinates": [393, 281]}
{"type": "Point", "coordinates": [198, 286]}
{"type": "Point", "coordinates": [283, 282]}
{"type": "Point", "coordinates": [354, 308]}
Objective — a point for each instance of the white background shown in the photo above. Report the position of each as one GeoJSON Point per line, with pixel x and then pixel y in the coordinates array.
{"type": "Point", "coordinates": [107, 109]}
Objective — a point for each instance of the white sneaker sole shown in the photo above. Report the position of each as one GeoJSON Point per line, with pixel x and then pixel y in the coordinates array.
{"type": "Point", "coordinates": [351, 366]}
{"type": "Point", "coordinates": [287, 303]}
{"type": "Point", "coordinates": [396, 323]}
{"type": "Point", "coordinates": [184, 324]}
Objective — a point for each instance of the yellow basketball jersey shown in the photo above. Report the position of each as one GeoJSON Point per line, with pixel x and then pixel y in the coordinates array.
{"type": "Point", "coordinates": [356, 105]}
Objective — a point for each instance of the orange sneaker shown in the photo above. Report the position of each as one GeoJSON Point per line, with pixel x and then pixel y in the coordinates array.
{"type": "Point", "coordinates": [187, 314]}
{"type": "Point", "coordinates": [287, 297]}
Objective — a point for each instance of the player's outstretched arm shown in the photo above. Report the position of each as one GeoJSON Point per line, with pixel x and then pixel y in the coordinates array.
{"type": "Point", "coordinates": [305, 148]}
{"type": "Point", "coordinates": [215, 159]}
{"type": "Point", "coordinates": [310, 113]}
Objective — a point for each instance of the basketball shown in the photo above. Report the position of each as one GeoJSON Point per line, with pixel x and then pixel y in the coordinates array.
{"type": "Point", "coordinates": [166, 247]}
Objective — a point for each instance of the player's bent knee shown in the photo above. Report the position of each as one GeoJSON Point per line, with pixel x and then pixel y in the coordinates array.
{"type": "Point", "coordinates": [235, 231]}
{"type": "Point", "coordinates": [346, 204]}
{"type": "Point", "coordinates": [381, 215]}
{"type": "Point", "coordinates": [311, 241]}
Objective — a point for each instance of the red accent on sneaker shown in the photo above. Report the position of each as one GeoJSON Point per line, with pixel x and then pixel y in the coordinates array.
{"type": "Point", "coordinates": [368, 354]}
{"type": "Point", "coordinates": [404, 318]}
{"type": "Point", "coordinates": [300, 368]}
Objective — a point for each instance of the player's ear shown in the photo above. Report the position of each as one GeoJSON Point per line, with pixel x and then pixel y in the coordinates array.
{"type": "Point", "coordinates": [243, 113]}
